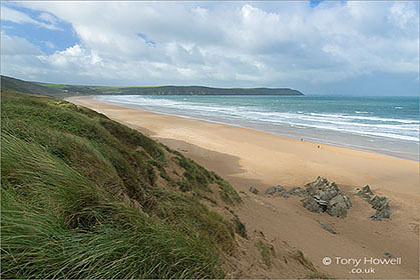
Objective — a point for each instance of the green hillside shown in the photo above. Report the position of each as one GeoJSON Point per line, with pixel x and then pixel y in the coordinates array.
{"type": "Point", "coordinates": [85, 197]}
{"type": "Point", "coordinates": [61, 90]}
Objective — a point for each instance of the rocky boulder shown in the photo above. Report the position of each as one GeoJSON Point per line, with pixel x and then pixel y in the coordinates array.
{"type": "Point", "coordinates": [253, 190]}
{"type": "Point", "coordinates": [274, 189]}
{"type": "Point", "coordinates": [383, 210]}
{"type": "Point", "coordinates": [380, 204]}
{"type": "Point", "coordinates": [365, 192]}
{"type": "Point", "coordinates": [338, 205]}
{"type": "Point", "coordinates": [296, 191]}
{"type": "Point", "coordinates": [324, 196]}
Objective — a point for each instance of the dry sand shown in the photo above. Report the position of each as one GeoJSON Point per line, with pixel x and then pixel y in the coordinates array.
{"type": "Point", "coordinates": [247, 157]}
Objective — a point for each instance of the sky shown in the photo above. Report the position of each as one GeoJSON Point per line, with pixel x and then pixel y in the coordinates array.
{"type": "Point", "coordinates": [327, 47]}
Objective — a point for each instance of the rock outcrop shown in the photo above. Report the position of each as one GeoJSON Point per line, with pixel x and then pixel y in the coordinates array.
{"type": "Point", "coordinates": [274, 189]}
{"type": "Point", "coordinates": [383, 210]}
{"type": "Point", "coordinates": [253, 190]}
{"type": "Point", "coordinates": [365, 192]}
{"type": "Point", "coordinates": [296, 191]}
{"type": "Point", "coordinates": [380, 204]}
{"type": "Point", "coordinates": [324, 196]}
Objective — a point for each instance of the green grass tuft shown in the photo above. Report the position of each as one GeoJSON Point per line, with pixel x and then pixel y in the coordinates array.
{"type": "Point", "coordinates": [265, 251]}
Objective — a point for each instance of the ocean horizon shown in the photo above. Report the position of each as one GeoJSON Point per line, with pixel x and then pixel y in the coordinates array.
{"type": "Point", "coordinates": [382, 124]}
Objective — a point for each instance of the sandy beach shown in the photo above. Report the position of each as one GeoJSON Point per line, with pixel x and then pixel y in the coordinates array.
{"type": "Point", "coordinates": [247, 157]}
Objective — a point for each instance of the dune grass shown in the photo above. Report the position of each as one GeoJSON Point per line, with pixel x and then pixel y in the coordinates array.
{"type": "Point", "coordinates": [86, 197]}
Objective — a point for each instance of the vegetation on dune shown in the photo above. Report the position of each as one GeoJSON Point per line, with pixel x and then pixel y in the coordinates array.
{"type": "Point", "coordinates": [86, 197]}
{"type": "Point", "coordinates": [265, 250]}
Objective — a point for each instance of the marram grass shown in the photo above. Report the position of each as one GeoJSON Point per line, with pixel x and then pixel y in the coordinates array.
{"type": "Point", "coordinates": [64, 229]}
{"type": "Point", "coordinates": [79, 199]}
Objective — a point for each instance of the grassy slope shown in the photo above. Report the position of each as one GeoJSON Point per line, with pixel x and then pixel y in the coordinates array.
{"type": "Point", "coordinates": [86, 197]}
{"type": "Point", "coordinates": [61, 90]}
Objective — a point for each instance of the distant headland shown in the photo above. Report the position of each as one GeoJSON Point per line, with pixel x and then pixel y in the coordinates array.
{"type": "Point", "coordinates": [72, 90]}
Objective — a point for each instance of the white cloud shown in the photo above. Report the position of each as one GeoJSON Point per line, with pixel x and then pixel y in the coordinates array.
{"type": "Point", "coordinates": [14, 45]}
{"type": "Point", "coordinates": [49, 44]}
{"type": "Point", "coordinates": [71, 58]}
{"type": "Point", "coordinates": [48, 18]}
{"type": "Point", "coordinates": [231, 44]}
{"type": "Point", "coordinates": [15, 16]}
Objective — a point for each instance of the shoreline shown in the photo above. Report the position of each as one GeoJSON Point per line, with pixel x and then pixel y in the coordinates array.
{"type": "Point", "coordinates": [313, 136]}
{"type": "Point", "coordinates": [251, 158]}
{"type": "Point", "coordinates": [164, 126]}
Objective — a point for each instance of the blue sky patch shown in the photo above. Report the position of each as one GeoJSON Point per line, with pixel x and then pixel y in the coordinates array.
{"type": "Point", "coordinates": [48, 40]}
{"type": "Point", "coordinates": [315, 3]}
{"type": "Point", "coordinates": [146, 40]}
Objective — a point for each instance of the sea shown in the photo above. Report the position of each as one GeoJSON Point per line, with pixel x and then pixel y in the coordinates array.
{"type": "Point", "coordinates": [381, 124]}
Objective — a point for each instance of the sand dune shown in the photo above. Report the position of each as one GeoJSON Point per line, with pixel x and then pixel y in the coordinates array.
{"type": "Point", "coordinates": [247, 157]}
